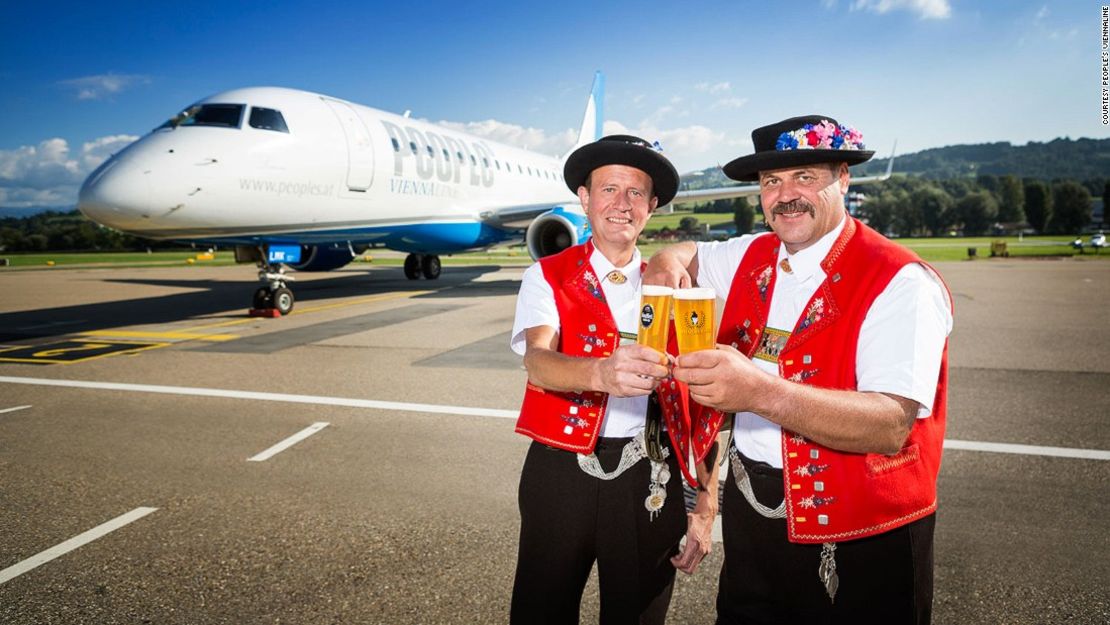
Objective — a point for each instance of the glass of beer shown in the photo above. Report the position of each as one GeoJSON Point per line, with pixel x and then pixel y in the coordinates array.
{"type": "Point", "coordinates": [655, 317]}
{"type": "Point", "coordinates": [694, 311]}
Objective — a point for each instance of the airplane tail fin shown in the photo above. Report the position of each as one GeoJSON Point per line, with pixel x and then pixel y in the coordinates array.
{"type": "Point", "coordinates": [594, 117]}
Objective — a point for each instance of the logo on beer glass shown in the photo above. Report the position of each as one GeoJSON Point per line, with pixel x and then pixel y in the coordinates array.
{"type": "Point", "coordinates": [655, 317]}
{"type": "Point", "coordinates": [694, 314]}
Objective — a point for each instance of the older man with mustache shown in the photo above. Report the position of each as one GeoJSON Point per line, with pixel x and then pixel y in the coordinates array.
{"type": "Point", "coordinates": [832, 355]}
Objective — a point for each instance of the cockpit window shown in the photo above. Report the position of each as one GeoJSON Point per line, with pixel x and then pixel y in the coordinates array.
{"type": "Point", "coordinates": [267, 119]}
{"type": "Point", "coordinates": [222, 115]}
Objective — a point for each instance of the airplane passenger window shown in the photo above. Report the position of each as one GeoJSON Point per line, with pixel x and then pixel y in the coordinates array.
{"type": "Point", "coordinates": [224, 115]}
{"type": "Point", "coordinates": [485, 162]}
{"type": "Point", "coordinates": [460, 156]}
{"type": "Point", "coordinates": [473, 161]}
{"type": "Point", "coordinates": [431, 152]}
{"type": "Point", "coordinates": [497, 163]}
{"type": "Point", "coordinates": [412, 146]}
{"type": "Point", "coordinates": [396, 146]}
{"type": "Point", "coordinates": [267, 119]}
{"type": "Point", "coordinates": [446, 155]}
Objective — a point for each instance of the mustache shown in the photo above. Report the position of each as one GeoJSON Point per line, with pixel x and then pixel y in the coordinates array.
{"type": "Point", "coordinates": [793, 206]}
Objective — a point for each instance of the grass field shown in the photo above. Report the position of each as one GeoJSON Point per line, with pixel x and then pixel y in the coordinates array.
{"type": "Point", "coordinates": [932, 249]}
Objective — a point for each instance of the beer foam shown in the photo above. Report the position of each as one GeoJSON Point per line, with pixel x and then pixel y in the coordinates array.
{"type": "Point", "coordinates": [695, 293]}
{"type": "Point", "coordinates": [656, 290]}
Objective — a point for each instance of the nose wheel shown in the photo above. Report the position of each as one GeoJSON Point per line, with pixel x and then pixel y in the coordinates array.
{"type": "Point", "coordinates": [427, 265]}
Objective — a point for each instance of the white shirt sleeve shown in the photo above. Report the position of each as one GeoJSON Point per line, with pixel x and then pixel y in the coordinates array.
{"type": "Point", "coordinates": [903, 336]}
{"type": "Point", "coordinates": [535, 306]}
{"type": "Point", "coordinates": [718, 262]}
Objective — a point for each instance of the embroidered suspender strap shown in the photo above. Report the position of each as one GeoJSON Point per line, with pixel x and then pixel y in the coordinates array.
{"type": "Point", "coordinates": [632, 453]}
{"type": "Point", "coordinates": [745, 486]}
{"type": "Point", "coordinates": [653, 430]}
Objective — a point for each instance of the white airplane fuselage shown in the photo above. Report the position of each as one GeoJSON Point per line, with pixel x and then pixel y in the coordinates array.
{"type": "Point", "coordinates": [340, 174]}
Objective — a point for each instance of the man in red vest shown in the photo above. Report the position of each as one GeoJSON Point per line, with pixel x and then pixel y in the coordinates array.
{"type": "Point", "coordinates": [597, 481]}
{"type": "Point", "coordinates": [832, 353]}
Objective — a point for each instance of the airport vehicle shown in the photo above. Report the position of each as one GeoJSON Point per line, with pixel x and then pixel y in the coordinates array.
{"type": "Point", "coordinates": [299, 180]}
{"type": "Point", "coordinates": [1098, 240]}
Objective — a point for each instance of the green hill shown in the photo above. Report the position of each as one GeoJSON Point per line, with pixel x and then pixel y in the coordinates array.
{"type": "Point", "coordinates": [1075, 159]}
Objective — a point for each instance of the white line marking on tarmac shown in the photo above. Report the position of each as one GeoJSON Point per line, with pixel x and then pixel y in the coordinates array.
{"type": "Point", "coordinates": [14, 409]}
{"type": "Point", "coordinates": [289, 442]}
{"type": "Point", "coordinates": [298, 399]}
{"type": "Point", "coordinates": [1063, 452]}
{"type": "Point", "coordinates": [73, 543]}
{"type": "Point", "coordinates": [1028, 450]}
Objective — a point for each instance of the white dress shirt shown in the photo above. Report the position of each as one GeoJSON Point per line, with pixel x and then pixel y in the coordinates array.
{"type": "Point", "coordinates": [535, 306]}
{"type": "Point", "coordinates": [900, 343]}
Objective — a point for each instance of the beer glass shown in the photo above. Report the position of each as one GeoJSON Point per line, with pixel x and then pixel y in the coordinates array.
{"type": "Point", "coordinates": [655, 317]}
{"type": "Point", "coordinates": [694, 319]}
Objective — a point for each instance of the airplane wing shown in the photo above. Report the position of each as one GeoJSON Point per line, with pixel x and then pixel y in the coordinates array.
{"type": "Point", "coordinates": [747, 190]}
{"type": "Point", "coordinates": [518, 217]}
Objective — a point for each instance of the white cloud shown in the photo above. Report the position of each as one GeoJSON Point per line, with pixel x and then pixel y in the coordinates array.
{"type": "Point", "coordinates": [925, 9]}
{"type": "Point", "coordinates": [688, 147]}
{"type": "Point", "coordinates": [720, 87]}
{"type": "Point", "coordinates": [102, 85]}
{"type": "Point", "coordinates": [729, 103]}
{"type": "Point", "coordinates": [1043, 13]}
{"type": "Point", "coordinates": [47, 174]}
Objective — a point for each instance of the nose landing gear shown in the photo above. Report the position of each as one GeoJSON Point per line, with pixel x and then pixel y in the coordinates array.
{"type": "Point", "coordinates": [275, 295]}
{"type": "Point", "coordinates": [426, 264]}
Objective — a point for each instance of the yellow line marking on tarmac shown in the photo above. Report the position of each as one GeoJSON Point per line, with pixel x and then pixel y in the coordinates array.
{"type": "Point", "coordinates": [138, 334]}
{"type": "Point", "coordinates": [191, 333]}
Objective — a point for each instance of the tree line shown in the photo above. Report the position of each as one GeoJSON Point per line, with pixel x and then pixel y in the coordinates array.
{"type": "Point", "coordinates": [67, 231]}
{"type": "Point", "coordinates": [914, 206]}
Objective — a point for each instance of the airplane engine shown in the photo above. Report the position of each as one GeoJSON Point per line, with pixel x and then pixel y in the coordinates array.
{"type": "Point", "coordinates": [323, 257]}
{"type": "Point", "coordinates": [555, 231]}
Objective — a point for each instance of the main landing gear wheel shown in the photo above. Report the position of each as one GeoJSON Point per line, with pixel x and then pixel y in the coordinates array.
{"type": "Point", "coordinates": [412, 266]}
{"type": "Point", "coordinates": [431, 266]}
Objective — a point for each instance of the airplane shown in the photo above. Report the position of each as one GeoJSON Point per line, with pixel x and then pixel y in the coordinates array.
{"type": "Point", "coordinates": [296, 179]}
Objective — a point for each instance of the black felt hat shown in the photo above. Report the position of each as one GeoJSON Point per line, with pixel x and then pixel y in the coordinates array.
{"type": "Point", "coordinates": [799, 141]}
{"type": "Point", "coordinates": [623, 150]}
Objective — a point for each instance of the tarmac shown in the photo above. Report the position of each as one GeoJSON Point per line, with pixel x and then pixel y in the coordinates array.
{"type": "Point", "coordinates": [147, 396]}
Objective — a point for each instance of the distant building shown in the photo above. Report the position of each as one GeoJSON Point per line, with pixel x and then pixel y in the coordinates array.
{"type": "Point", "coordinates": [854, 200]}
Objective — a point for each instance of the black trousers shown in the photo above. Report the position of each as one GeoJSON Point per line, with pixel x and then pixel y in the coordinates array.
{"type": "Point", "coordinates": [766, 579]}
{"type": "Point", "coordinates": [569, 519]}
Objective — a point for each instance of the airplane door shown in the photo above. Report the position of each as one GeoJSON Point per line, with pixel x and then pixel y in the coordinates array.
{"type": "Point", "coordinates": [360, 152]}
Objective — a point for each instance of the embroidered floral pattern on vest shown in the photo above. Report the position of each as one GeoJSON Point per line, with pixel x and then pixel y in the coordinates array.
{"type": "Point", "coordinates": [813, 501]}
{"type": "Point", "coordinates": [763, 281]}
{"type": "Point", "coordinates": [593, 286]}
{"type": "Point", "coordinates": [802, 376]}
{"type": "Point", "coordinates": [809, 470]}
{"type": "Point", "coordinates": [813, 314]}
{"type": "Point", "coordinates": [577, 422]}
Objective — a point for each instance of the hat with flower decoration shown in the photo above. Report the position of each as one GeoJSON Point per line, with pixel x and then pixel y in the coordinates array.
{"type": "Point", "coordinates": [623, 150]}
{"type": "Point", "coordinates": [799, 141]}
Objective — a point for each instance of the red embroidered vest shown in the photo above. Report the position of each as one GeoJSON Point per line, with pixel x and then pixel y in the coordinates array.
{"type": "Point", "coordinates": [832, 495]}
{"type": "Point", "coordinates": [572, 420]}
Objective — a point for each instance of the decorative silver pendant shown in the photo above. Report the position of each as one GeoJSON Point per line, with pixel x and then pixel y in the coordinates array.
{"type": "Point", "coordinates": [827, 571]}
{"type": "Point", "coordinates": [656, 498]}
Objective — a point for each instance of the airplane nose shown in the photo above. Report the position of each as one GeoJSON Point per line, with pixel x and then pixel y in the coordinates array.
{"type": "Point", "coordinates": [115, 198]}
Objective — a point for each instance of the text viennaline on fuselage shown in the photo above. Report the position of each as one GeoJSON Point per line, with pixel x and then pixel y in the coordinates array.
{"type": "Point", "coordinates": [301, 180]}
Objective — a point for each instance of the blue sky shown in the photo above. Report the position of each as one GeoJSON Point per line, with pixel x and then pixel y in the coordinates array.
{"type": "Point", "coordinates": [80, 80]}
